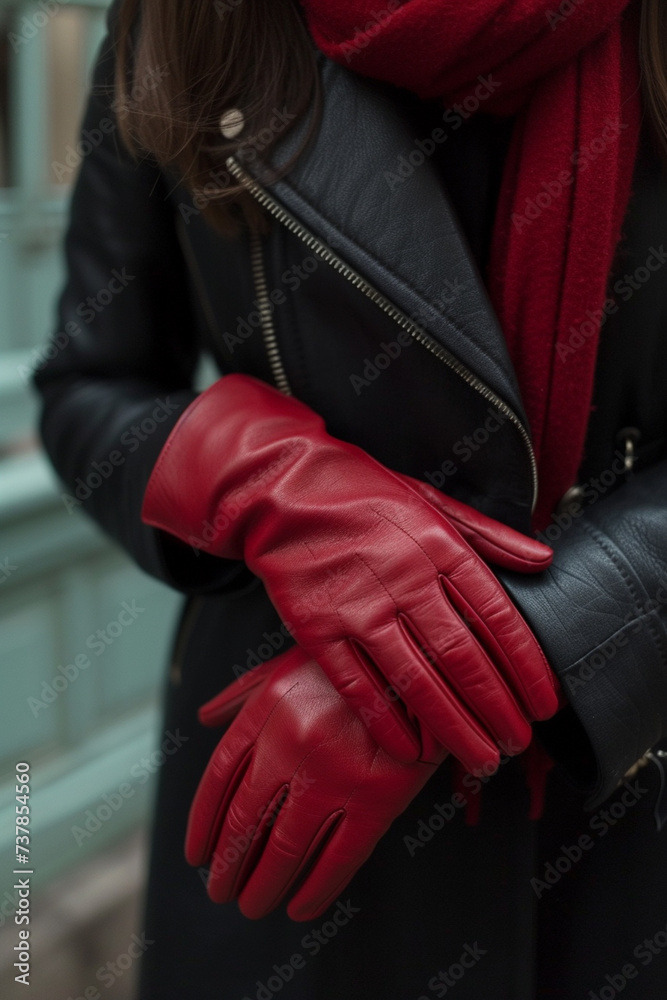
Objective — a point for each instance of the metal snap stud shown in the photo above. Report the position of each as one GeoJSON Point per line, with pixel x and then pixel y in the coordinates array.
{"type": "Point", "coordinates": [571, 501]}
{"type": "Point", "coordinates": [232, 122]}
{"type": "Point", "coordinates": [628, 438]}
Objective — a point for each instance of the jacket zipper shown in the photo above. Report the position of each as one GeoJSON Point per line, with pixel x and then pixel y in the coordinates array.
{"type": "Point", "coordinates": [266, 316]}
{"type": "Point", "coordinates": [313, 243]}
{"type": "Point", "coordinates": [263, 302]}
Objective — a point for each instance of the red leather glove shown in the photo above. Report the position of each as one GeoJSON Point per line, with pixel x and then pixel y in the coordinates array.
{"type": "Point", "coordinates": [297, 793]}
{"type": "Point", "coordinates": [372, 576]}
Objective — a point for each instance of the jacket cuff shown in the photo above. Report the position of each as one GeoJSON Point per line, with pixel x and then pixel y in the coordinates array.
{"type": "Point", "coordinates": [602, 632]}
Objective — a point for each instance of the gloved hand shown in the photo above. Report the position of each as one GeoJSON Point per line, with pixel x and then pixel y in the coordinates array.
{"type": "Point", "coordinates": [372, 576]}
{"type": "Point", "coordinates": [296, 795]}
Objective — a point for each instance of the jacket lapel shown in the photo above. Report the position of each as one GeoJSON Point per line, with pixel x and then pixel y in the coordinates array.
{"type": "Point", "coordinates": [402, 236]}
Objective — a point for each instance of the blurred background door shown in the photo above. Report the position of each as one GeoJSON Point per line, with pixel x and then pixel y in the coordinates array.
{"type": "Point", "coordinates": [84, 727]}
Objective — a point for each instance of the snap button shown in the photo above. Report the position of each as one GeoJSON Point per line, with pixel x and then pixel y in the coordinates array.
{"type": "Point", "coordinates": [232, 122]}
{"type": "Point", "coordinates": [628, 439]}
{"type": "Point", "coordinates": [571, 499]}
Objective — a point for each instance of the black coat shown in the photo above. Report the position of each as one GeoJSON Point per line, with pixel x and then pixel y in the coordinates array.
{"type": "Point", "coordinates": [366, 301]}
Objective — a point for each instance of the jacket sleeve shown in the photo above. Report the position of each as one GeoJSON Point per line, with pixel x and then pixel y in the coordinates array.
{"type": "Point", "coordinates": [600, 614]}
{"type": "Point", "coordinates": [117, 372]}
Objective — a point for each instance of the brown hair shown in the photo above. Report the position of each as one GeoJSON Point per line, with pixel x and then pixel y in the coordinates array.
{"type": "Point", "coordinates": [210, 56]}
{"type": "Point", "coordinates": [653, 59]}
{"type": "Point", "coordinates": [194, 60]}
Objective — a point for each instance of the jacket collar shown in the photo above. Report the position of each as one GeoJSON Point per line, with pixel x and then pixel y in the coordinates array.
{"type": "Point", "coordinates": [404, 238]}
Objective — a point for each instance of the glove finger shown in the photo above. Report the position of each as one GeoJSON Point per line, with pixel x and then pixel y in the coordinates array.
{"type": "Point", "coordinates": [333, 870]}
{"type": "Point", "coordinates": [244, 836]}
{"type": "Point", "coordinates": [519, 658]}
{"type": "Point", "coordinates": [474, 591]}
{"type": "Point", "coordinates": [430, 694]}
{"type": "Point", "coordinates": [330, 873]}
{"type": "Point", "coordinates": [296, 842]}
{"type": "Point", "coordinates": [218, 785]}
{"type": "Point", "coordinates": [407, 676]}
{"type": "Point", "coordinates": [228, 703]}
{"type": "Point", "coordinates": [230, 761]}
{"type": "Point", "coordinates": [459, 668]}
{"type": "Point", "coordinates": [356, 836]}
{"type": "Point", "coordinates": [367, 691]}
{"type": "Point", "coordinates": [494, 541]}
{"type": "Point", "coordinates": [261, 853]}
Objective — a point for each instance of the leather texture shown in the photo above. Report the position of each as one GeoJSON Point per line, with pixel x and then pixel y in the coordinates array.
{"type": "Point", "coordinates": [297, 793]}
{"type": "Point", "coordinates": [118, 381]}
{"type": "Point", "coordinates": [600, 612]}
{"type": "Point", "coordinates": [373, 580]}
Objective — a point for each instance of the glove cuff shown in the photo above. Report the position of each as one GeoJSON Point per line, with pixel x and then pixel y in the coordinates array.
{"type": "Point", "coordinates": [232, 441]}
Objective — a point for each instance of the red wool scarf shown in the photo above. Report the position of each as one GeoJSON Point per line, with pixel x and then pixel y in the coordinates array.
{"type": "Point", "coordinates": [570, 72]}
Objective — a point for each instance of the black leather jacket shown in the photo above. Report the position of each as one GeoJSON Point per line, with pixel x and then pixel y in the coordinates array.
{"type": "Point", "coordinates": [366, 301]}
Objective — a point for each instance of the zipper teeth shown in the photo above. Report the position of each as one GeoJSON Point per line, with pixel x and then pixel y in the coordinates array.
{"type": "Point", "coordinates": [266, 315]}
{"type": "Point", "coordinates": [313, 243]}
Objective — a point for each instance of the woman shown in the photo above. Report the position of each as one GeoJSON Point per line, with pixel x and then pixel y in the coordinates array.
{"type": "Point", "coordinates": [424, 248]}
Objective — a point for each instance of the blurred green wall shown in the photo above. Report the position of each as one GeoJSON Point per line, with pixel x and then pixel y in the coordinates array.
{"type": "Point", "coordinates": [83, 633]}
